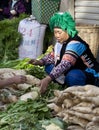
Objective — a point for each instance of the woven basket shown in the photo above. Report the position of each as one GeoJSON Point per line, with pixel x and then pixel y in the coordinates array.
{"type": "Point", "coordinates": [90, 34]}
{"type": "Point", "coordinates": [44, 9]}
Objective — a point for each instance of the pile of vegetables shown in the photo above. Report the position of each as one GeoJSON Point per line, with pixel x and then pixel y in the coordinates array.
{"type": "Point", "coordinates": [77, 105]}
{"type": "Point", "coordinates": [22, 107]}
{"type": "Point", "coordinates": [24, 115]}
{"type": "Point", "coordinates": [30, 115]}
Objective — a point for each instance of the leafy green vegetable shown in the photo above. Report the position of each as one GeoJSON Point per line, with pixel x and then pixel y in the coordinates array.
{"type": "Point", "coordinates": [16, 64]}
{"type": "Point", "coordinates": [24, 114]}
{"type": "Point", "coordinates": [57, 121]}
{"type": "Point", "coordinates": [10, 38]}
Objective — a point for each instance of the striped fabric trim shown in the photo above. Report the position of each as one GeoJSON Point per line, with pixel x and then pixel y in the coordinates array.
{"type": "Point", "coordinates": [72, 53]}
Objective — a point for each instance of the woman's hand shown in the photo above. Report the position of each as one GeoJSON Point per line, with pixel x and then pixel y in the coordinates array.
{"type": "Point", "coordinates": [44, 84]}
{"type": "Point", "coordinates": [13, 80]}
{"type": "Point", "coordinates": [13, 12]}
{"type": "Point", "coordinates": [36, 62]}
{"type": "Point", "coordinates": [19, 79]}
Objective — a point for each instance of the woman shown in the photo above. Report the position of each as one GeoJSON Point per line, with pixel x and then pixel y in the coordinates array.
{"type": "Point", "coordinates": [71, 62]}
{"type": "Point", "coordinates": [3, 4]}
{"type": "Point", "coordinates": [14, 9]}
{"type": "Point", "coordinates": [27, 4]}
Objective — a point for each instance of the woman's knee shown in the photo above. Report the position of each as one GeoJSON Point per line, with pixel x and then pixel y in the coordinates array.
{"type": "Point", "coordinates": [75, 77]}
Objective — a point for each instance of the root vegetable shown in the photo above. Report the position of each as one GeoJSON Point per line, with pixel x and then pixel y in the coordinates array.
{"type": "Point", "coordinates": [92, 126]}
{"type": "Point", "coordinates": [10, 73]}
{"type": "Point", "coordinates": [30, 95]}
{"type": "Point", "coordinates": [85, 110]}
{"type": "Point", "coordinates": [32, 80]}
{"type": "Point", "coordinates": [12, 98]}
{"type": "Point", "coordinates": [75, 127]}
{"type": "Point", "coordinates": [95, 119]}
{"type": "Point", "coordinates": [85, 104]}
{"type": "Point", "coordinates": [96, 111]}
{"type": "Point", "coordinates": [87, 90]}
{"type": "Point", "coordinates": [74, 88]}
{"type": "Point", "coordinates": [13, 91]}
{"type": "Point", "coordinates": [78, 105]}
{"type": "Point", "coordinates": [78, 121]}
{"type": "Point", "coordinates": [62, 97]}
{"type": "Point", "coordinates": [81, 115]}
{"type": "Point", "coordinates": [94, 100]}
{"type": "Point", "coordinates": [19, 72]}
{"type": "Point", "coordinates": [68, 103]}
{"type": "Point", "coordinates": [7, 97]}
{"type": "Point", "coordinates": [23, 86]}
{"type": "Point", "coordinates": [76, 100]}
{"type": "Point", "coordinates": [6, 75]}
{"type": "Point", "coordinates": [14, 71]}
{"type": "Point", "coordinates": [60, 114]}
{"type": "Point", "coordinates": [5, 70]}
{"type": "Point", "coordinates": [57, 93]}
{"type": "Point", "coordinates": [66, 116]}
{"type": "Point", "coordinates": [54, 100]}
{"type": "Point", "coordinates": [78, 93]}
{"type": "Point", "coordinates": [92, 90]}
{"type": "Point", "coordinates": [54, 107]}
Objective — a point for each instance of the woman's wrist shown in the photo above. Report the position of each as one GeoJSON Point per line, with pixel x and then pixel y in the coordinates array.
{"type": "Point", "coordinates": [41, 62]}
{"type": "Point", "coordinates": [49, 79]}
{"type": "Point", "coordinates": [1, 10]}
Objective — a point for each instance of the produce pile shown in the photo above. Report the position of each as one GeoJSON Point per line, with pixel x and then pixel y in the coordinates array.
{"type": "Point", "coordinates": [79, 106]}
{"type": "Point", "coordinates": [10, 97]}
{"type": "Point", "coordinates": [21, 106]}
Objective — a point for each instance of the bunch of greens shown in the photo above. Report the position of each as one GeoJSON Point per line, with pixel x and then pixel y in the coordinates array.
{"type": "Point", "coordinates": [16, 64]}
{"type": "Point", "coordinates": [21, 63]}
{"type": "Point", "coordinates": [10, 38]}
{"type": "Point", "coordinates": [30, 115]}
{"type": "Point", "coordinates": [24, 115]}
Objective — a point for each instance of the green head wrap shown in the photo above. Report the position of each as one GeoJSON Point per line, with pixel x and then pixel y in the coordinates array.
{"type": "Point", "coordinates": [63, 21]}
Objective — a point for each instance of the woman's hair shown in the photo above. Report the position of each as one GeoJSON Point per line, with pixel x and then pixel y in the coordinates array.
{"type": "Point", "coordinates": [63, 21]}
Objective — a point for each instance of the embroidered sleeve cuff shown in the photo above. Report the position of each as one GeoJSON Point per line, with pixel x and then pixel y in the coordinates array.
{"type": "Point", "coordinates": [52, 77]}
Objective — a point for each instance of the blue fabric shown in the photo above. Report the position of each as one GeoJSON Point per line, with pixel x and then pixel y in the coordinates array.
{"type": "Point", "coordinates": [92, 71]}
{"type": "Point", "coordinates": [78, 48]}
{"type": "Point", "coordinates": [48, 68]}
{"type": "Point", "coordinates": [73, 77]}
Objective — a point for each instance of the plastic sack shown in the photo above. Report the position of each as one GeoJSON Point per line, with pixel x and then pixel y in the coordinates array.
{"type": "Point", "coordinates": [33, 33]}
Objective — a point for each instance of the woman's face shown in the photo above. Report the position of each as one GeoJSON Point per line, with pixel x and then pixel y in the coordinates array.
{"type": "Point", "coordinates": [60, 35]}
